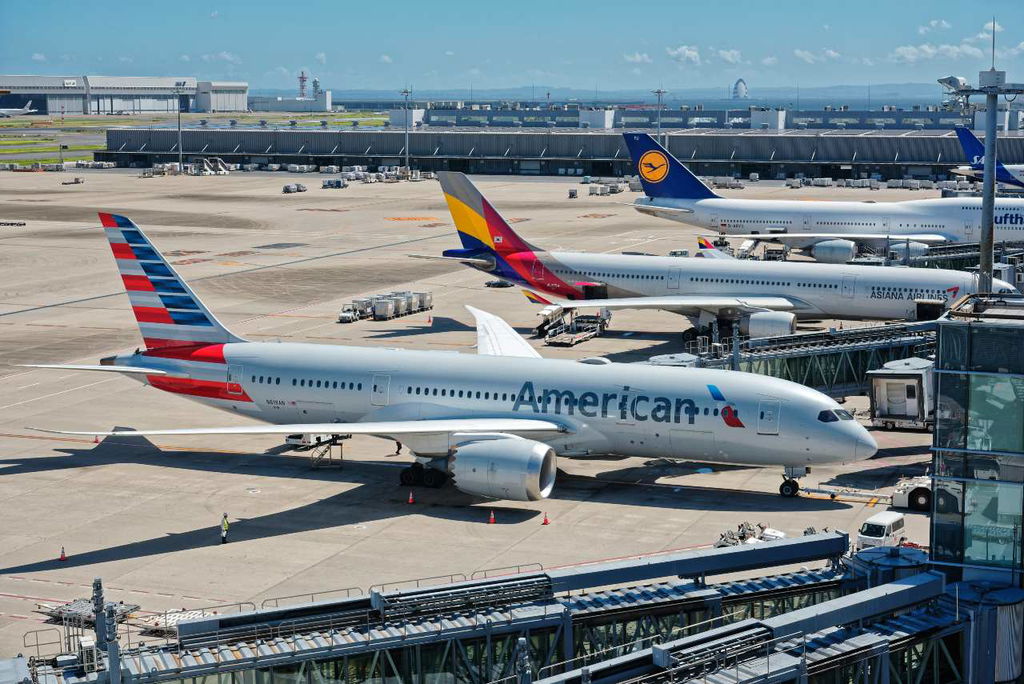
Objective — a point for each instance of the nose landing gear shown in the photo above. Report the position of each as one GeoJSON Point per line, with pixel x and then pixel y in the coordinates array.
{"type": "Point", "coordinates": [790, 487]}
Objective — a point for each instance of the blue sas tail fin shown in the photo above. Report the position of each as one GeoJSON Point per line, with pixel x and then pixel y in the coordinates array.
{"type": "Point", "coordinates": [974, 150]}
{"type": "Point", "coordinates": [661, 174]}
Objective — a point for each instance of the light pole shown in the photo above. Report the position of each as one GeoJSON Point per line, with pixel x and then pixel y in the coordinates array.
{"type": "Point", "coordinates": [405, 93]}
{"type": "Point", "coordinates": [178, 87]}
{"type": "Point", "coordinates": [991, 84]}
{"type": "Point", "coordinates": [659, 92]}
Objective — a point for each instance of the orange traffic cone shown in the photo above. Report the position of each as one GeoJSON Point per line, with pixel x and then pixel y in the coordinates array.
{"type": "Point", "coordinates": [63, 556]}
{"type": "Point", "coordinates": [430, 320]}
{"type": "Point", "coordinates": [490, 521]}
{"type": "Point", "coordinates": [546, 521]}
{"type": "Point", "coordinates": [412, 499]}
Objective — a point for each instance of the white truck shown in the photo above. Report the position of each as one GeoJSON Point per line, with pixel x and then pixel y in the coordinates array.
{"type": "Point", "coordinates": [348, 314]}
{"type": "Point", "coordinates": [914, 493]}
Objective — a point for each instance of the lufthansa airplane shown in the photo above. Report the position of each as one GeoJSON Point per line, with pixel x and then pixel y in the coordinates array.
{"type": "Point", "coordinates": [829, 231]}
{"type": "Point", "coordinates": [974, 150]}
{"type": "Point", "coordinates": [764, 297]}
{"type": "Point", "coordinates": [492, 422]}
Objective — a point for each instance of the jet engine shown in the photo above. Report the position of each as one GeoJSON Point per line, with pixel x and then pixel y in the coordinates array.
{"type": "Point", "coordinates": [834, 251]}
{"type": "Point", "coordinates": [899, 249]}
{"type": "Point", "coordinates": [768, 324]}
{"type": "Point", "coordinates": [505, 467]}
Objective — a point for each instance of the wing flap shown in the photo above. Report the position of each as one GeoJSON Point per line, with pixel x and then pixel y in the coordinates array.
{"type": "Point", "coordinates": [377, 428]}
{"type": "Point", "coordinates": [495, 337]}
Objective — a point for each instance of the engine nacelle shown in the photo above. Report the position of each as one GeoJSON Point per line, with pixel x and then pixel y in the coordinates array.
{"type": "Point", "coordinates": [768, 324]}
{"type": "Point", "coordinates": [834, 251]}
{"type": "Point", "coordinates": [899, 249]}
{"type": "Point", "coordinates": [506, 467]}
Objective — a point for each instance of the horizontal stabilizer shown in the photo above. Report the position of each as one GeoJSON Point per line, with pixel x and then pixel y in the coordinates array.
{"type": "Point", "coordinates": [378, 428]}
{"type": "Point", "coordinates": [130, 370]}
{"type": "Point", "coordinates": [655, 210]}
{"type": "Point", "coordinates": [471, 261]}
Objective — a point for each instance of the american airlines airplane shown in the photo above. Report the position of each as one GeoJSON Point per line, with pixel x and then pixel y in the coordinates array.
{"type": "Point", "coordinates": [974, 150]}
{"type": "Point", "coordinates": [8, 113]}
{"type": "Point", "coordinates": [765, 298]}
{"type": "Point", "coordinates": [829, 231]}
{"type": "Point", "coordinates": [492, 422]}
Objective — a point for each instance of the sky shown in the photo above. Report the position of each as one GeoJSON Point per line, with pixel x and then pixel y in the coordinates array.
{"type": "Point", "coordinates": [451, 44]}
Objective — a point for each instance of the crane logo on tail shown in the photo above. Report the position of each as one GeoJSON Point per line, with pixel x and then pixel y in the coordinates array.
{"type": "Point", "coordinates": [653, 166]}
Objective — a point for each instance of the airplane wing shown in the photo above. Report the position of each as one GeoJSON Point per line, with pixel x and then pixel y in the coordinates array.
{"type": "Point", "coordinates": [707, 250]}
{"type": "Point", "coordinates": [661, 212]}
{"type": "Point", "coordinates": [796, 237]}
{"type": "Point", "coordinates": [686, 304]}
{"type": "Point", "coordinates": [130, 370]}
{"type": "Point", "coordinates": [378, 428]}
{"type": "Point", "coordinates": [469, 261]}
{"type": "Point", "coordinates": [495, 337]}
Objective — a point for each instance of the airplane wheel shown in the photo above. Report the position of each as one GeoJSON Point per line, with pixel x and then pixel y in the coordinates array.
{"type": "Point", "coordinates": [789, 488]}
{"type": "Point", "coordinates": [433, 478]}
{"type": "Point", "coordinates": [411, 477]}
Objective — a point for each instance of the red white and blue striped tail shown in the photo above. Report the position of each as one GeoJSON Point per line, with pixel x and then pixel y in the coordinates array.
{"type": "Point", "coordinates": [168, 312]}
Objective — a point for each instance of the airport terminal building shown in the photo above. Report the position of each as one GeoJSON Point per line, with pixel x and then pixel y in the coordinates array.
{"type": "Point", "coordinates": [555, 152]}
{"type": "Point", "coordinates": [59, 95]}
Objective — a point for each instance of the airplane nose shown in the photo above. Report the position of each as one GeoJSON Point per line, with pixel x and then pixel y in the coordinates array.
{"type": "Point", "coordinates": [866, 446]}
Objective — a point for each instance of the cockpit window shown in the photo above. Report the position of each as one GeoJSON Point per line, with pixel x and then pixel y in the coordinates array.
{"type": "Point", "coordinates": [844, 414]}
{"type": "Point", "coordinates": [827, 417]}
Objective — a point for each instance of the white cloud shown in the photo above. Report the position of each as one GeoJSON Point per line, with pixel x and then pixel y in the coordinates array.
{"type": "Point", "coordinates": [829, 53]}
{"type": "Point", "coordinates": [38, 57]}
{"type": "Point", "coordinates": [730, 56]}
{"type": "Point", "coordinates": [214, 14]}
{"type": "Point", "coordinates": [386, 59]}
{"type": "Point", "coordinates": [279, 71]}
{"type": "Point", "coordinates": [934, 25]}
{"type": "Point", "coordinates": [685, 54]}
{"type": "Point", "coordinates": [927, 51]}
{"type": "Point", "coordinates": [321, 57]}
{"type": "Point", "coordinates": [125, 60]}
{"type": "Point", "coordinates": [770, 60]}
{"type": "Point", "coordinates": [222, 56]}
{"type": "Point", "coordinates": [184, 58]}
{"type": "Point", "coordinates": [826, 27]}
{"type": "Point", "coordinates": [449, 53]}
{"type": "Point", "coordinates": [993, 26]}
{"type": "Point", "coordinates": [867, 61]}
{"type": "Point", "coordinates": [474, 72]}
{"type": "Point", "coordinates": [636, 71]}
{"type": "Point", "coordinates": [638, 58]}
{"type": "Point", "coordinates": [805, 56]}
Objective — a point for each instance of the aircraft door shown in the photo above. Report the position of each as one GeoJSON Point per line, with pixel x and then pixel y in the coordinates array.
{"type": "Point", "coordinates": [806, 223]}
{"type": "Point", "coordinates": [693, 444]}
{"type": "Point", "coordinates": [768, 417]}
{"type": "Point", "coordinates": [968, 231]}
{"type": "Point", "coordinates": [379, 390]}
{"type": "Point", "coordinates": [234, 383]}
{"type": "Point", "coordinates": [537, 271]}
{"type": "Point", "coordinates": [672, 282]}
{"type": "Point", "coordinates": [849, 286]}
{"type": "Point", "coordinates": [713, 222]}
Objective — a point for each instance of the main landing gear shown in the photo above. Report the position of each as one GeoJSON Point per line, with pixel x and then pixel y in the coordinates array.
{"type": "Point", "coordinates": [790, 487]}
{"type": "Point", "coordinates": [418, 475]}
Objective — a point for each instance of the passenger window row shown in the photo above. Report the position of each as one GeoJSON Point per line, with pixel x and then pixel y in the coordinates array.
{"type": "Point", "coordinates": [303, 382]}
{"type": "Point", "coordinates": [460, 394]}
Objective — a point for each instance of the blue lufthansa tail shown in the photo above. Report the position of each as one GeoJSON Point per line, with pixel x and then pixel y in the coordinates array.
{"type": "Point", "coordinates": [973, 149]}
{"type": "Point", "coordinates": [661, 174]}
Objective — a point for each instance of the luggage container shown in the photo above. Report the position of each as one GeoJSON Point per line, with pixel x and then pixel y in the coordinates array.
{"type": "Point", "coordinates": [383, 309]}
{"type": "Point", "coordinates": [401, 305]}
{"type": "Point", "coordinates": [426, 300]}
{"type": "Point", "coordinates": [364, 306]}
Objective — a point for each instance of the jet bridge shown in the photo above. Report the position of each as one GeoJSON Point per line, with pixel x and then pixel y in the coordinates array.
{"type": "Point", "coordinates": [834, 362]}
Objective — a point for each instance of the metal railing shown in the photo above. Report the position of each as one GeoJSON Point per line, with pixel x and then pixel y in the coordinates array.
{"type": "Point", "coordinates": [275, 601]}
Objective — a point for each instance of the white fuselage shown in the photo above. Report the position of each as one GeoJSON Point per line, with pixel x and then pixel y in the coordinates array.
{"type": "Point", "coordinates": [629, 409]}
{"type": "Point", "coordinates": [819, 290]}
{"type": "Point", "coordinates": [956, 218]}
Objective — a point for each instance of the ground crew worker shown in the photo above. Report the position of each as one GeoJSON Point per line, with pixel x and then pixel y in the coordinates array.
{"type": "Point", "coordinates": [398, 447]}
{"type": "Point", "coordinates": [224, 526]}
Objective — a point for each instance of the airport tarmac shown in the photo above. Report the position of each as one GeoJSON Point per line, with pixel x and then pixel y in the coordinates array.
{"type": "Point", "coordinates": [144, 515]}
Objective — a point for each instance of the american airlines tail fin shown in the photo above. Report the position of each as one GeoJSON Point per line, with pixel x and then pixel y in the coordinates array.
{"type": "Point", "coordinates": [974, 150]}
{"type": "Point", "coordinates": [661, 174]}
{"type": "Point", "coordinates": [169, 314]}
{"type": "Point", "coordinates": [481, 228]}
